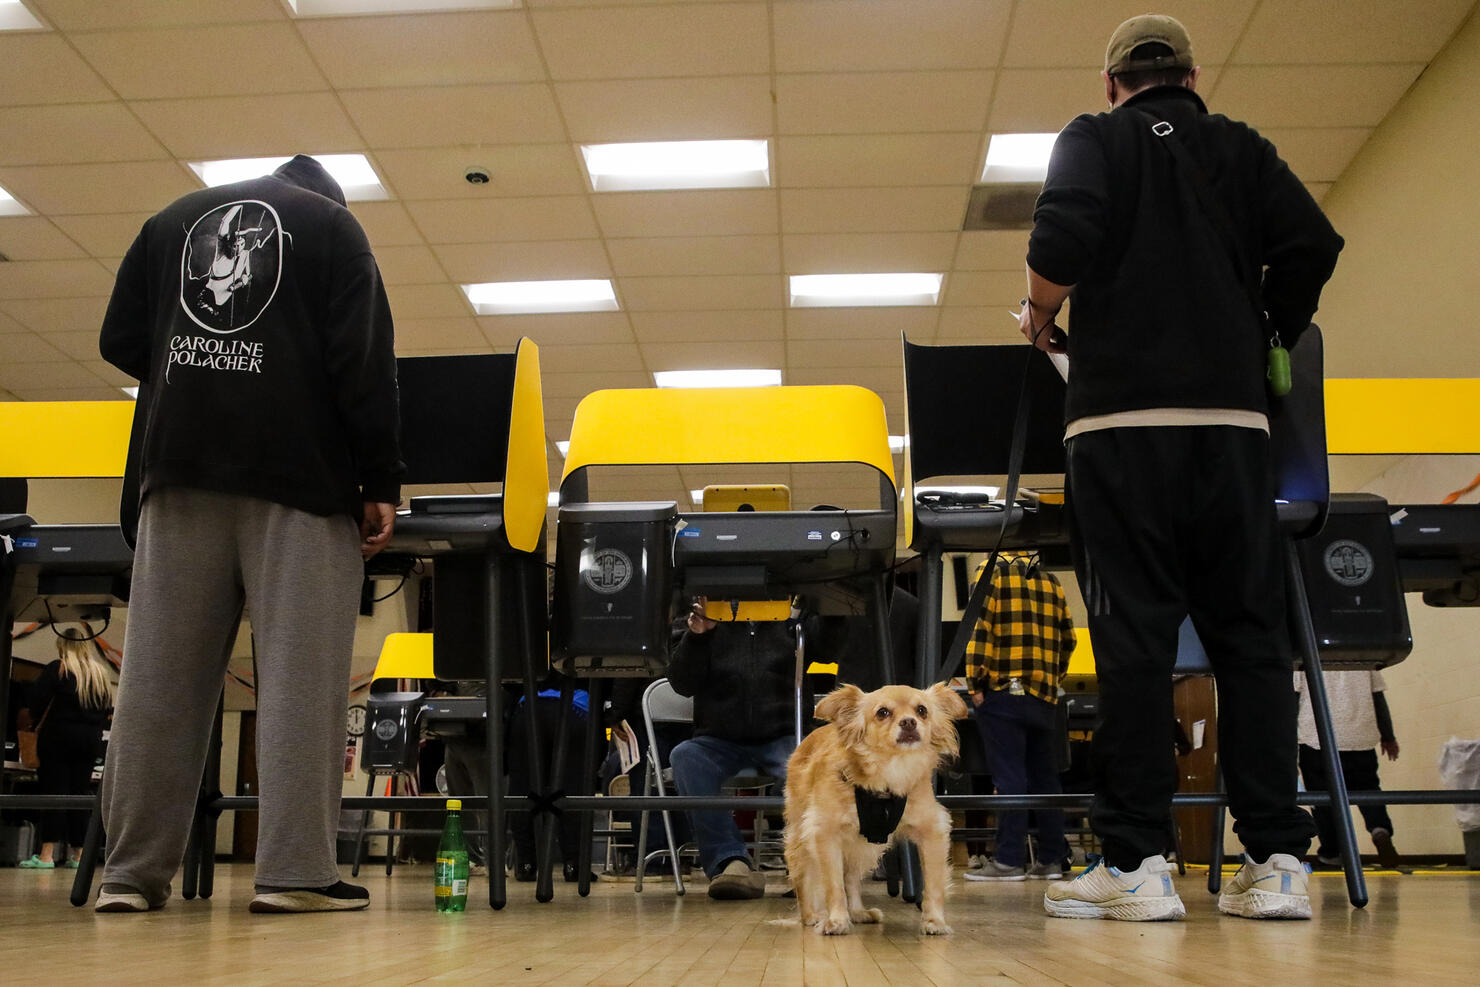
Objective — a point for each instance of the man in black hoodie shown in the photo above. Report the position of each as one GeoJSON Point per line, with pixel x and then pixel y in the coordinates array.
{"type": "Point", "coordinates": [264, 463]}
{"type": "Point", "coordinates": [1179, 232]}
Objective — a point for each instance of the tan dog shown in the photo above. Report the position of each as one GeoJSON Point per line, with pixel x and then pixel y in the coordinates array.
{"type": "Point", "coordinates": [888, 742]}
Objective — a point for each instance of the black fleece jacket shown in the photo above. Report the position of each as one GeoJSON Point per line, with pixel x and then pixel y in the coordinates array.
{"type": "Point", "coordinates": [741, 677]}
{"type": "Point", "coordinates": [254, 316]}
{"type": "Point", "coordinates": [1160, 316]}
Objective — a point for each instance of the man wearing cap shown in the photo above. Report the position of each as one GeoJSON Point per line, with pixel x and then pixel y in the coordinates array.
{"type": "Point", "coordinates": [1187, 245]}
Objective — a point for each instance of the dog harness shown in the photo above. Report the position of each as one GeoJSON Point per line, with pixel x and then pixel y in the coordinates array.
{"type": "Point", "coordinates": [879, 813]}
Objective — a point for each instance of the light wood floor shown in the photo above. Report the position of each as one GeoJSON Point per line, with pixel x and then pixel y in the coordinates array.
{"type": "Point", "coordinates": [1416, 929]}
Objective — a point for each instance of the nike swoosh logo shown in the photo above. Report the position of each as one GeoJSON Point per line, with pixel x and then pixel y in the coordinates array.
{"type": "Point", "coordinates": [1136, 888]}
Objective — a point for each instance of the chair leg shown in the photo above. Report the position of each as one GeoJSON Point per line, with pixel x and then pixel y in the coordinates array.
{"type": "Point", "coordinates": [1356, 883]}
{"type": "Point", "coordinates": [354, 870]}
{"type": "Point", "coordinates": [596, 691]}
{"type": "Point", "coordinates": [82, 883]}
{"type": "Point", "coordinates": [678, 887]}
{"type": "Point", "coordinates": [909, 873]}
{"type": "Point", "coordinates": [1215, 861]}
{"type": "Point", "coordinates": [390, 837]}
{"type": "Point", "coordinates": [891, 871]}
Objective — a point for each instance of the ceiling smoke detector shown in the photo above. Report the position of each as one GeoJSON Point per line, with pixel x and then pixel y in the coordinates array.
{"type": "Point", "coordinates": [477, 175]}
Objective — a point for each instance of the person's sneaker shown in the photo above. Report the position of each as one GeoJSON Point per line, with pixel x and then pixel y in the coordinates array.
{"type": "Point", "coordinates": [737, 882]}
{"type": "Point", "coordinates": [993, 870]}
{"type": "Point", "coordinates": [1145, 894]}
{"type": "Point", "coordinates": [36, 863]}
{"type": "Point", "coordinates": [1328, 861]}
{"type": "Point", "coordinates": [337, 897]}
{"type": "Point", "coordinates": [975, 862]}
{"type": "Point", "coordinates": [124, 898]}
{"type": "Point", "coordinates": [1387, 854]}
{"type": "Point", "coordinates": [1277, 888]}
{"type": "Point", "coordinates": [1047, 870]}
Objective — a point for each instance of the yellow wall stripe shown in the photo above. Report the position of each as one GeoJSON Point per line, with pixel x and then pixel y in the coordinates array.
{"type": "Point", "coordinates": [1402, 416]}
{"type": "Point", "coordinates": [64, 439]}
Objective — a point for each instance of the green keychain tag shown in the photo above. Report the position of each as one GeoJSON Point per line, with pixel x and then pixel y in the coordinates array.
{"type": "Point", "coordinates": [1279, 371]}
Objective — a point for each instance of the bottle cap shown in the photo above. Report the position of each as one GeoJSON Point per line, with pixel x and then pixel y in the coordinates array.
{"type": "Point", "coordinates": [454, 804]}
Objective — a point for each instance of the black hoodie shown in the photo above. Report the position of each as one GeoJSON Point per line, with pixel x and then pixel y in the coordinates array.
{"type": "Point", "coordinates": [254, 316]}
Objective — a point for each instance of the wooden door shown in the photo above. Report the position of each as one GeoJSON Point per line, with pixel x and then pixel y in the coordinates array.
{"type": "Point", "coordinates": [1195, 703]}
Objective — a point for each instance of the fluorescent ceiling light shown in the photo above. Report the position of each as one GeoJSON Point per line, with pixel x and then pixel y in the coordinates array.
{"type": "Point", "coordinates": [15, 17]}
{"type": "Point", "coordinates": [552, 499]}
{"type": "Point", "coordinates": [898, 442]}
{"type": "Point", "coordinates": [678, 165]}
{"type": "Point", "coordinates": [352, 171]}
{"type": "Point", "coordinates": [815, 290]}
{"type": "Point", "coordinates": [10, 207]}
{"type": "Point", "coordinates": [339, 8]}
{"type": "Point", "coordinates": [717, 378]}
{"type": "Point", "coordinates": [564, 448]}
{"type": "Point", "coordinates": [697, 496]}
{"type": "Point", "coordinates": [1018, 157]}
{"type": "Point", "coordinates": [524, 297]}
{"type": "Point", "coordinates": [132, 392]}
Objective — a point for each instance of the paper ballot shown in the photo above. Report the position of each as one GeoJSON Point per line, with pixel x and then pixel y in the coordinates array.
{"type": "Point", "coordinates": [627, 750]}
{"type": "Point", "coordinates": [1060, 363]}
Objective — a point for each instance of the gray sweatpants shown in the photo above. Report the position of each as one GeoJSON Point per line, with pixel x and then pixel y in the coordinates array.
{"type": "Point", "coordinates": [201, 556]}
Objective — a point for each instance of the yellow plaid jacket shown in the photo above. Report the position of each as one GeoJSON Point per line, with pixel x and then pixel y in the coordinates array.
{"type": "Point", "coordinates": [1025, 633]}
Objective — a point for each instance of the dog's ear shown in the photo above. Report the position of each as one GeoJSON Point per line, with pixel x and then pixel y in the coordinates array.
{"type": "Point", "coordinates": [947, 701]}
{"type": "Point", "coordinates": [840, 704]}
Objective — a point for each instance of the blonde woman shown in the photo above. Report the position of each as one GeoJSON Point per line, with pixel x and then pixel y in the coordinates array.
{"type": "Point", "coordinates": [71, 702]}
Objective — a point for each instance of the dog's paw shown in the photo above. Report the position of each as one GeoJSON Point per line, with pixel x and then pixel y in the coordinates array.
{"type": "Point", "coordinates": [867, 916]}
{"type": "Point", "coordinates": [811, 921]}
{"type": "Point", "coordinates": [835, 926]}
{"type": "Point", "coordinates": [934, 927]}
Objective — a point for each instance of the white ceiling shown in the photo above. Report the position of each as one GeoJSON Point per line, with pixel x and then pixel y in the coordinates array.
{"type": "Point", "coordinates": [878, 112]}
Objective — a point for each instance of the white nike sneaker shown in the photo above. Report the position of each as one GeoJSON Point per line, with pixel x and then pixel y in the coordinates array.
{"type": "Point", "coordinates": [1277, 888]}
{"type": "Point", "coordinates": [1145, 894]}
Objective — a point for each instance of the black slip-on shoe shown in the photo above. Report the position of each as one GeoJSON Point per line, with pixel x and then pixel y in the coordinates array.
{"type": "Point", "coordinates": [337, 897]}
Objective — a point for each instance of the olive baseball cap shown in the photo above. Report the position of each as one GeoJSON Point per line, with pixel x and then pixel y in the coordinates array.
{"type": "Point", "coordinates": [1146, 29]}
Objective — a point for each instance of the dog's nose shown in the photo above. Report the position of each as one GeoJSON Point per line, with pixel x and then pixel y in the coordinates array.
{"type": "Point", "coordinates": [907, 725]}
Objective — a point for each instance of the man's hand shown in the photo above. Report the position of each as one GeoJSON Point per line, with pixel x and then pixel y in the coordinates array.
{"type": "Point", "coordinates": [1038, 328]}
{"type": "Point", "coordinates": [376, 526]}
{"type": "Point", "coordinates": [698, 623]}
{"type": "Point", "coordinates": [977, 698]}
{"type": "Point", "coordinates": [1390, 748]}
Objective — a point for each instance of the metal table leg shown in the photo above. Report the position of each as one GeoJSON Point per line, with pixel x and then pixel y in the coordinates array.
{"type": "Point", "coordinates": [494, 710]}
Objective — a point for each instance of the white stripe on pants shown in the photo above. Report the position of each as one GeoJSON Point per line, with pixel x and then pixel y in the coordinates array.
{"type": "Point", "coordinates": [201, 557]}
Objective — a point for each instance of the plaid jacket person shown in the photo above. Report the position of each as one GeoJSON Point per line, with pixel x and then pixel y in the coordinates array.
{"type": "Point", "coordinates": [1025, 633]}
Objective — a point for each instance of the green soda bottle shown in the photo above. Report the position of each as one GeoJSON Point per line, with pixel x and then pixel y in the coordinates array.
{"type": "Point", "coordinates": [452, 862]}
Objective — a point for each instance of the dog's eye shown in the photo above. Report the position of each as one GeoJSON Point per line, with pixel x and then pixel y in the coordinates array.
{"type": "Point", "coordinates": [921, 712]}
{"type": "Point", "coordinates": [883, 713]}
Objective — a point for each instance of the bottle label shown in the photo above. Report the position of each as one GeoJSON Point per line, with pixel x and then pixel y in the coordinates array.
{"type": "Point", "coordinates": [443, 877]}
{"type": "Point", "coordinates": [459, 888]}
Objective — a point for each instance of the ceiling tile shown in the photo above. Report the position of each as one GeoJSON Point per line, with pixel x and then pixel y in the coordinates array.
{"type": "Point", "coordinates": [696, 255]}
{"type": "Point", "coordinates": [667, 109]}
{"type": "Point", "coordinates": [724, 212]}
{"type": "Point", "coordinates": [188, 61]}
{"type": "Point", "coordinates": [262, 125]}
{"type": "Point", "coordinates": [52, 315]}
{"type": "Point", "coordinates": [432, 116]}
{"type": "Point", "coordinates": [540, 260]}
{"type": "Point", "coordinates": [640, 42]}
{"type": "Point", "coordinates": [53, 279]}
{"type": "Point", "coordinates": [712, 327]}
{"type": "Point", "coordinates": [74, 133]}
{"type": "Point", "coordinates": [455, 333]}
{"type": "Point", "coordinates": [28, 347]}
{"type": "Point", "coordinates": [877, 210]}
{"type": "Point", "coordinates": [109, 374]}
{"type": "Point", "coordinates": [992, 250]}
{"type": "Point", "coordinates": [566, 217]}
{"type": "Point", "coordinates": [845, 353]}
{"type": "Point", "coordinates": [44, 68]}
{"type": "Point", "coordinates": [877, 161]}
{"type": "Point", "coordinates": [849, 35]}
{"type": "Point", "coordinates": [861, 323]}
{"type": "Point", "coordinates": [97, 391]}
{"type": "Point", "coordinates": [1042, 100]}
{"type": "Point", "coordinates": [386, 223]}
{"type": "Point", "coordinates": [1330, 95]}
{"type": "Point", "coordinates": [983, 324]}
{"type": "Point", "coordinates": [751, 354]}
{"type": "Point", "coordinates": [24, 377]}
{"type": "Point", "coordinates": [7, 324]}
{"type": "Point", "coordinates": [427, 301]}
{"type": "Point", "coordinates": [562, 329]}
{"type": "Point", "coordinates": [1001, 288]}
{"type": "Point", "coordinates": [103, 234]}
{"type": "Point", "coordinates": [424, 49]}
{"type": "Point", "coordinates": [881, 102]}
{"type": "Point", "coordinates": [841, 253]}
{"type": "Point", "coordinates": [1040, 39]}
{"type": "Point", "coordinates": [1349, 30]}
{"type": "Point", "coordinates": [80, 346]}
{"type": "Point", "coordinates": [880, 380]}
{"type": "Point", "coordinates": [624, 357]}
{"type": "Point", "coordinates": [95, 188]}
{"type": "Point", "coordinates": [699, 292]}
{"type": "Point", "coordinates": [514, 169]}
{"type": "Point", "coordinates": [89, 15]}
{"type": "Point", "coordinates": [409, 264]}
{"type": "Point", "coordinates": [1318, 154]}
{"type": "Point", "coordinates": [578, 385]}
{"type": "Point", "coordinates": [35, 238]}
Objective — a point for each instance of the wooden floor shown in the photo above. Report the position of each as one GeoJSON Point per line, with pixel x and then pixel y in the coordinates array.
{"type": "Point", "coordinates": [1416, 929]}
